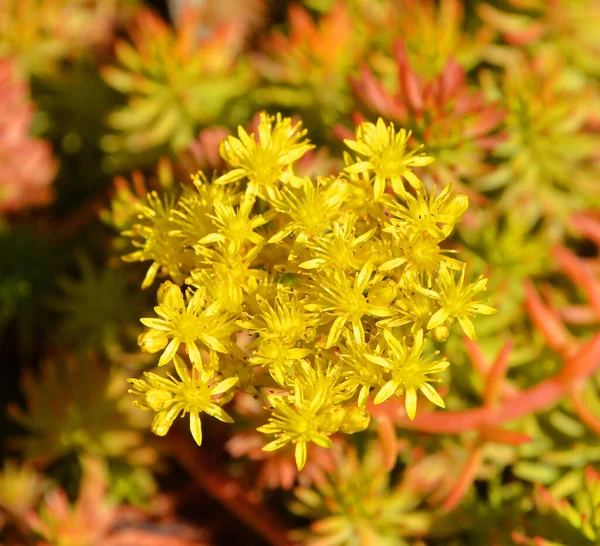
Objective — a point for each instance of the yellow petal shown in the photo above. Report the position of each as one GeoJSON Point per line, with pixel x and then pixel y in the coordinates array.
{"type": "Point", "coordinates": [196, 427]}
{"type": "Point", "coordinates": [300, 454]}
{"type": "Point", "coordinates": [410, 403]}
{"type": "Point", "coordinates": [169, 352]}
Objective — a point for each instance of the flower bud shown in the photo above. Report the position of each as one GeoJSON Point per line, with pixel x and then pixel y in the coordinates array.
{"type": "Point", "coordinates": [153, 341]}
{"type": "Point", "coordinates": [457, 206]}
{"type": "Point", "coordinates": [383, 293]}
{"type": "Point", "coordinates": [170, 296]}
{"type": "Point", "coordinates": [355, 420]}
{"type": "Point", "coordinates": [440, 333]}
{"type": "Point", "coordinates": [158, 399]}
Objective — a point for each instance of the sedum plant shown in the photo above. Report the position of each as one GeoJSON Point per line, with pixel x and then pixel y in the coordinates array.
{"type": "Point", "coordinates": [358, 503]}
{"type": "Point", "coordinates": [567, 28]}
{"type": "Point", "coordinates": [570, 509]}
{"type": "Point", "coordinates": [44, 33]}
{"type": "Point", "coordinates": [321, 296]}
{"type": "Point", "coordinates": [90, 419]}
{"type": "Point", "coordinates": [28, 166]}
{"type": "Point", "coordinates": [549, 160]}
{"type": "Point", "coordinates": [308, 69]}
{"type": "Point", "coordinates": [21, 487]}
{"type": "Point", "coordinates": [457, 124]}
{"type": "Point", "coordinates": [174, 83]}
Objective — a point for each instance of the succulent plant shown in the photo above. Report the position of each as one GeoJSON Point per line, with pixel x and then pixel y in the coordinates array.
{"type": "Point", "coordinates": [28, 167]}
{"type": "Point", "coordinates": [457, 125]}
{"type": "Point", "coordinates": [174, 83]}
{"type": "Point", "coordinates": [89, 419]}
{"type": "Point", "coordinates": [43, 33]}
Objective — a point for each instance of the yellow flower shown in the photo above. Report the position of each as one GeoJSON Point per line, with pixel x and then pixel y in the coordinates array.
{"type": "Point", "coordinates": [282, 327]}
{"type": "Point", "coordinates": [411, 307]}
{"type": "Point", "coordinates": [360, 373]}
{"type": "Point", "coordinates": [417, 250]}
{"type": "Point", "coordinates": [456, 301]}
{"type": "Point", "coordinates": [153, 237]}
{"type": "Point", "coordinates": [267, 160]}
{"type": "Point", "coordinates": [386, 156]}
{"type": "Point", "coordinates": [339, 248]}
{"type": "Point", "coordinates": [191, 220]}
{"type": "Point", "coordinates": [408, 372]}
{"type": "Point", "coordinates": [428, 213]}
{"type": "Point", "coordinates": [331, 287]}
{"type": "Point", "coordinates": [312, 207]}
{"type": "Point", "coordinates": [311, 414]}
{"type": "Point", "coordinates": [286, 319]}
{"type": "Point", "coordinates": [342, 297]}
{"type": "Point", "coordinates": [235, 225]}
{"type": "Point", "coordinates": [240, 270]}
{"type": "Point", "coordinates": [193, 395]}
{"type": "Point", "coordinates": [200, 320]}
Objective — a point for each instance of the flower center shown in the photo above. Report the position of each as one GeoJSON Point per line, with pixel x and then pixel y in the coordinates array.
{"type": "Point", "coordinates": [196, 398]}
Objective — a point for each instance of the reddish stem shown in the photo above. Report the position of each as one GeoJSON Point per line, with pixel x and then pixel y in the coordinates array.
{"type": "Point", "coordinates": [228, 491]}
{"type": "Point", "coordinates": [504, 436]}
{"type": "Point", "coordinates": [544, 395]}
{"type": "Point", "coordinates": [482, 366]}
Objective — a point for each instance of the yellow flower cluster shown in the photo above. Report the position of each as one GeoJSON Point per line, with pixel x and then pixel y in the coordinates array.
{"type": "Point", "coordinates": [317, 295]}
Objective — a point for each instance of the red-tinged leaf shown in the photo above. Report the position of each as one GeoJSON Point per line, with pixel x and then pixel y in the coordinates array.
{"type": "Point", "coordinates": [587, 226]}
{"type": "Point", "coordinates": [526, 36]}
{"type": "Point", "coordinates": [490, 142]}
{"type": "Point", "coordinates": [584, 362]}
{"type": "Point", "coordinates": [537, 398]}
{"type": "Point", "coordinates": [578, 314]}
{"type": "Point", "coordinates": [585, 414]}
{"type": "Point", "coordinates": [388, 439]}
{"type": "Point", "coordinates": [410, 83]}
{"type": "Point", "coordinates": [357, 119]}
{"type": "Point", "coordinates": [462, 104]}
{"type": "Point", "coordinates": [448, 422]}
{"type": "Point", "coordinates": [371, 91]}
{"type": "Point", "coordinates": [300, 21]}
{"type": "Point", "coordinates": [476, 356]}
{"type": "Point", "coordinates": [464, 481]}
{"type": "Point", "coordinates": [486, 122]}
{"type": "Point", "coordinates": [547, 321]}
{"type": "Point", "coordinates": [519, 539]}
{"type": "Point", "coordinates": [287, 474]}
{"type": "Point", "coordinates": [158, 537]}
{"type": "Point", "coordinates": [591, 474]}
{"type": "Point", "coordinates": [543, 497]}
{"type": "Point", "coordinates": [581, 274]}
{"type": "Point", "coordinates": [452, 79]}
{"type": "Point", "coordinates": [495, 377]}
{"type": "Point", "coordinates": [342, 133]}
